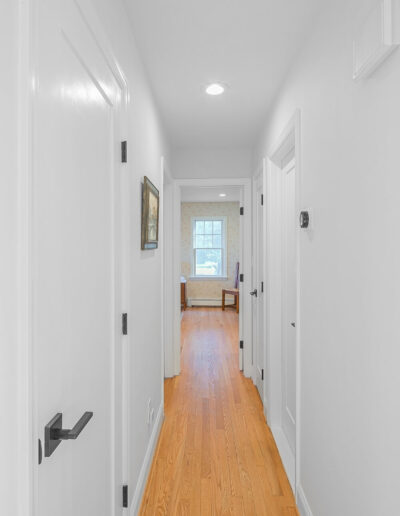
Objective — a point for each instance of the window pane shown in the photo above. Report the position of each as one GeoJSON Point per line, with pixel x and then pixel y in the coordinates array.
{"type": "Point", "coordinates": [208, 241]}
{"type": "Point", "coordinates": [217, 241]}
{"type": "Point", "coordinates": [200, 227]}
{"type": "Point", "coordinates": [217, 227]}
{"type": "Point", "coordinates": [208, 262]}
{"type": "Point", "coordinates": [199, 241]}
{"type": "Point", "coordinates": [208, 227]}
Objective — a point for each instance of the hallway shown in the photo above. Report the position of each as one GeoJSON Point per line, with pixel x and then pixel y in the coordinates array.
{"type": "Point", "coordinates": [156, 154]}
{"type": "Point", "coordinates": [215, 453]}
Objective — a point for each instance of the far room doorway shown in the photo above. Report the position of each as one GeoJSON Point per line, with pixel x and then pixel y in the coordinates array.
{"type": "Point", "coordinates": [200, 274]}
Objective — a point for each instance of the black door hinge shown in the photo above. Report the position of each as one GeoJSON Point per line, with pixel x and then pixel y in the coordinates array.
{"type": "Point", "coordinates": [124, 324]}
{"type": "Point", "coordinates": [40, 452]}
{"type": "Point", "coordinates": [262, 199]}
{"type": "Point", "coordinates": [124, 152]}
{"type": "Point", "coordinates": [241, 344]}
{"type": "Point", "coordinates": [241, 210]}
{"type": "Point", "coordinates": [125, 496]}
{"type": "Point", "coordinates": [262, 374]}
{"type": "Point", "coordinates": [241, 278]}
{"type": "Point", "coordinates": [262, 286]}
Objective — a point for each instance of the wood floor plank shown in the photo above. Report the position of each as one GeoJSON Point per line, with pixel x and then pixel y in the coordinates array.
{"type": "Point", "coordinates": [215, 455]}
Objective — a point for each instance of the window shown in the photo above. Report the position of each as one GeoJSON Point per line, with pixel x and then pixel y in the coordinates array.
{"type": "Point", "coordinates": [209, 247]}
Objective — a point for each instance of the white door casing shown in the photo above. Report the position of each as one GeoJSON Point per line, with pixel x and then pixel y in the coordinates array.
{"type": "Point", "coordinates": [289, 303]}
{"type": "Point", "coordinates": [76, 262]}
{"type": "Point", "coordinates": [283, 398]}
{"type": "Point", "coordinates": [258, 285]}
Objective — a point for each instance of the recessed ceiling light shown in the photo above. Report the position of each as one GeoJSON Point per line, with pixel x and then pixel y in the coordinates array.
{"type": "Point", "coordinates": [222, 194]}
{"type": "Point", "coordinates": [215, 89]}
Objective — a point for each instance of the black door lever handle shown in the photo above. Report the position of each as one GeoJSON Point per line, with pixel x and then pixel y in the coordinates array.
{"type": "Point", "coordinates": [54, 433]}
{"type": "Point", "coordinates": [74, 433]}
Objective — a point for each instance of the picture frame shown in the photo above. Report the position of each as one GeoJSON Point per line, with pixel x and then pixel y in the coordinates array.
{"type": "Point", "coordinates": [150, 215]}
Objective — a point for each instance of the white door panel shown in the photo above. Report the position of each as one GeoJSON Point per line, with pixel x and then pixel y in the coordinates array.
{"type": "Point", "coordinates": [289, 305]}
{"type": "Point", "coordinates": [258, 302]}
{"type": "Point", "coordinates": [74, 284]}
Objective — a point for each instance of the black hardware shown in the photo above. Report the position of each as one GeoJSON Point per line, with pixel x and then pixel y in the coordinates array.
{"type": "Point", "coordinates": [304, 219]}
{"type": "Point", "coordinates": [262, 287]}
{"type": "Point", "coordinates": [241, 278]}
{"type": "Point", "coordinates": [124, 324]}
{"type": "Point", "coordinates": [262, 199]}
{"type": "Point", "coordinates": [254, 292]}
{"type": "Point", "coordinates": [124, 152]}
{"type": "Point", "coordinates": [262, 374]}
{"type": "Point", "coordinates": [40, 452]}
{"type": "Point", "coordinates": [293, 324]}
{"type": "Point", "coordinates": [241, 210]}
{"type": "Point", "coordinates": [125, 496]}
{"type": "Point", "coordinates": [54, 433]}
{"type": "Point", "coordinates": [241, 344]}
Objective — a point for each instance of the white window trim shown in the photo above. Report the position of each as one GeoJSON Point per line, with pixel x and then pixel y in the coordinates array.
{"type": "Point", "coordinates": [224, 275]}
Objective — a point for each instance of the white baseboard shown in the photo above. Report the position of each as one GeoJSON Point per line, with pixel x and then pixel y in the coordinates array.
{"type": "Point", "coordinates": [265, 408]}
{"type": "Point", "coordinates": [286, 454]}
{"type": "Point", "coordinates": [206, 302]}
{"type": "Point", "coordinates": [302, 503]}
{"type": "Point", "coordinates": [148, 458]}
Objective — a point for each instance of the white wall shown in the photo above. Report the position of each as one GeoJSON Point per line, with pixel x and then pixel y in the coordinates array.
{"type": "Point", "coordinates": [146, 146]}
{"type": "Point", "coordinates": [211, 163]}
{"type": "Point", "coordinates": [350, 282]}
{"type": "Point", "coordinates": [8, 257]}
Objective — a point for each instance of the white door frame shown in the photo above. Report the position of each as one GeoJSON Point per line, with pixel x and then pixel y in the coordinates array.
{"type": "Point", "coordinates": [173, 263]}
{"type": "Point", "coordinates": [168, 309]}
{"type": "Point", "coordinates": [289, 141]}
{"type": "Point", "coordinates": [27, 453]}
{"type": "Point", "coordinates": [259, 176]}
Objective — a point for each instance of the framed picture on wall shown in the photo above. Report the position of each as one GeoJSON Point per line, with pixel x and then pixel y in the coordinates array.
{"type": "Point", "coordinates": [150, 215]}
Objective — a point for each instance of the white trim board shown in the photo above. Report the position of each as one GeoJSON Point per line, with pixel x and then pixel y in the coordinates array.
{"type": "Point", "coordinates": [207, 302]}
{"type": "Point", "coordinates": [377, 37]}
{"type": "Point", "coordinates": [285, 453]}
{"type": "Point", "coordinates": [302, 502]}
{"type": "Point", "coordinates": [148, 459]}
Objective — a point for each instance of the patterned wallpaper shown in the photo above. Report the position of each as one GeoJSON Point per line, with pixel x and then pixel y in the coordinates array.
{"type": "Point", "coordinates": [203, 289]}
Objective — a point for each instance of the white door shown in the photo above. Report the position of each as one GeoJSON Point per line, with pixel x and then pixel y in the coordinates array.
{"type": "Point", "coordinates": [258, 291]}
{"type": "Point", "coordinates": [241, 269]}
{"type": "Point", "coordinates": [289, 303]}
{"type": "Point", "coordinates": [75, 287]}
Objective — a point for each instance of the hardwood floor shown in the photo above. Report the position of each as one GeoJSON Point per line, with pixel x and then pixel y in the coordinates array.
{"type": "Point", "coordinates": [215, 455]}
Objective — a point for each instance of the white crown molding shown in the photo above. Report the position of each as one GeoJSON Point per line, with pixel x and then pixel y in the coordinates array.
{"type": "Point", "coordinates": [376, 38]}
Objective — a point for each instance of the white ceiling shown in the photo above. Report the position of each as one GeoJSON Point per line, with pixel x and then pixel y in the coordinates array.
{"type": "Point", "coordinates": [248, 45]}
{"type": "Point", "coordinates": [210, 194]}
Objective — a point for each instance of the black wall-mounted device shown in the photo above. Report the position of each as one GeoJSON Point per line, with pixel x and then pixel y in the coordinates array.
{"type": "Point", "coordinates": [304, 219]}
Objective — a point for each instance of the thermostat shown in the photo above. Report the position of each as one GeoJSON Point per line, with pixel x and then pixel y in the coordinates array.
{"type": "Point", "coordinates": [304, 219]}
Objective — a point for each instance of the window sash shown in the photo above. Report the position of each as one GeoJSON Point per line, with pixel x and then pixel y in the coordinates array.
{"type": "Point", "coordinates": [218, 231]}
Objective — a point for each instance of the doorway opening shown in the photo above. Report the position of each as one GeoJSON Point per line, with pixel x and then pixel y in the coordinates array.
{"type": "Point", "coordinates": [211, 244]}
{"type": "Point", "coordinates": [210, 261]}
